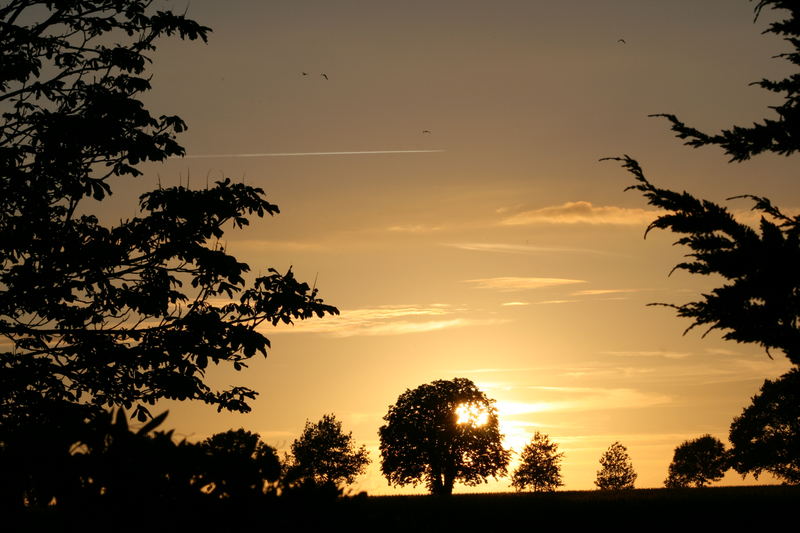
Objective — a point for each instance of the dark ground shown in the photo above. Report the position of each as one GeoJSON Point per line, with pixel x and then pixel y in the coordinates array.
{"type": "Point", "coordinates": [714, 509]}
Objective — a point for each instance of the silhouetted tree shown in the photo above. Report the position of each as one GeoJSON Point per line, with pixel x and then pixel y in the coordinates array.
{"type": "Point", "coordinates": [697, 462]}
{"type": "Point", "coordinates": [760, 301]}
{"type": "Point", "coordinates": [238, 465]}
{"type": "Point", "coordinates": [324, 455]}
{"type": "Point", "coordinates": [617, 469]}
{"type": "Point", "coordinates": [440, 433]}
{"type": "Point", "coordinates": [766, 436]}
{"type": "Point", "coordinates": [540, 468]}
{"type": "Point", "coordinates": [114, 314]}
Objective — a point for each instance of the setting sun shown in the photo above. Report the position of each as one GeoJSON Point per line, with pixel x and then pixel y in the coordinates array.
{"type": "Point", "coordinates": [471, 413]}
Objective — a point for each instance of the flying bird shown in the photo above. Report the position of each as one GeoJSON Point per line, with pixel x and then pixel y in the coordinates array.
{"type": "Point", "coordinates": [426, 131]}
{"type": "Point", "coordinates": [304, 73]}
{"type": "Point", "coordinates": [324, 75]}
{"type": "Point", "coordinates": [621, 41]}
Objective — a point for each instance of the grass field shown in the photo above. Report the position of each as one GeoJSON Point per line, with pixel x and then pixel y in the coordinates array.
{"type": "Point", "coordinates": [712, 509]}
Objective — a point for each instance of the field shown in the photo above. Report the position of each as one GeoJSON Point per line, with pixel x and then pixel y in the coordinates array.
{"type": "Point", "coordinates": [719, 508]}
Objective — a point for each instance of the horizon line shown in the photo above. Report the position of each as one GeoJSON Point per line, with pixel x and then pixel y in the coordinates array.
{"type": "Point", "coordinates": [295, 154]}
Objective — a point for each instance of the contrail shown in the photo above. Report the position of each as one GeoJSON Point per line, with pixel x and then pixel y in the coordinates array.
{"type": "Point", "coordinates": [296, 154]}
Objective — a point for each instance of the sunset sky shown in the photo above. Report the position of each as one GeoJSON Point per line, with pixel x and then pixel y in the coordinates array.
{"type": "Point", "coordinates": [496, 247]}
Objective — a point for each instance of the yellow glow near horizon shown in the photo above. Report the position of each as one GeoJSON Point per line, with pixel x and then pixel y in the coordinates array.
{"type": "Point", "coordinates": [473, 414]}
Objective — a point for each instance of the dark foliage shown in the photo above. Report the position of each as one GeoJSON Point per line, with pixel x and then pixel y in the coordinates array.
{"type": "Point", "coordinates": [99, 462]}
{"type": "Point", "coordinates": [126, 313]}
{"type": "Point", "coordinates": [761, 301]}
{"type": "Point", "coordinates": [781, 134]}
{"type": "Point", "coordinates": [239, 465]}
{"type": "Point", "coordinates": [617, 470]}
{"type": "Point", "coordinates": [325, 456]}
{"type": "Point", "coordinates": [540, 468]}
{"type": "Point", "coordinates": [425, 439]}
{"type": "Point", "coordinates": [697, 462]}
{"type": "Point", "coordinates": [766, 436]}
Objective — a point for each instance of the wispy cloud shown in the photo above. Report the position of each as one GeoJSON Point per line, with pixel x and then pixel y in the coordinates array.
{"type": "Point", "coordinates": [515, 304]}
{"type": "Point", "coordinates": [388, 320]}
{"type": "Point", "coordinates": [414, 228]}
{"type": "Point", "coordinates": [585, 399]}
{"type": "Point", "coordinates": [656, 353]}
{"type": "Point", "coordinates": [491, 370]}
{"type": "Point", "coordinates": [582, 212]}
{"type": "Point", "coordinates": [262, 244]}
{"type": "Point", "coordinates": [301, 154]}
{"type": "Point", "coordinates": [520, 248]}
{"type": "Point", "coordinates": [517, 283]}
{"type": "Point", "coordinates": [721, 351]}
{"type": "Point", "coordinates": [601, 292]}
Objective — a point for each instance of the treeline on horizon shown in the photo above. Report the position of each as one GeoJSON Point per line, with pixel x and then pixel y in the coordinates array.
{"type": "Point", "coordinates": [437, 434]}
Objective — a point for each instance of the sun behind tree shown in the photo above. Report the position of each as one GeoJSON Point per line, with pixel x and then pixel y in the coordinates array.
{"type": "Point", "coordinates": [440, 433]}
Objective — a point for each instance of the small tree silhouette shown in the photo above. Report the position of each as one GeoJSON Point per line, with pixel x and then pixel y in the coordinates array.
{"type": "Point", "coordinates": [239, 465]}
{"type": "Point", "coordinates": [697, 462]}
{"type": "Point", "coordinates": [541, 466]}
{"type": "Point", "coordinates": [325, 456]}
{"type": "Point", "coordinates": [617, 470]}
{"type": "Point", "coordinates": [440, 433]}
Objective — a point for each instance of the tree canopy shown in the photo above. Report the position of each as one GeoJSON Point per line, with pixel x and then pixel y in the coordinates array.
{"type": "Point", "coordinates": [540, 467]}
{"type": "Point", "coordinates": [440, 433]}
{"type": "Point", "coordinates": [96, 313]}
{"type": "Point", "coordinates": [616, 472]}
{"type": "Point", "coordinates": [326, 455]}
{"type": "Point", "coordinates": [766, 436]}
{"type": "Point", "coordinates": [697, 462]}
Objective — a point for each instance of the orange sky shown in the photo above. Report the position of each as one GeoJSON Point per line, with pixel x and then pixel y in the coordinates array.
{"type": "Point", "coordinates": [502, 251]}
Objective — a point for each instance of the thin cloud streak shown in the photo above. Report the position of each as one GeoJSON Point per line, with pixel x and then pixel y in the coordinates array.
{"type": "Point", "coordinates": [510, 283]}
{"type": "Point", "coordinates": [521, 248]}
{"type": "Point", "coordinates": [301, 154]}
{"type": "Point", "coordinates": [582, 212]}
{"type": "Point", "coordinates": [664, 354]}
{"type": "Point", "coordinates": [594, 399]}
{"type": "Point", "coordinates": [387, 320]}
{"type": "Point", "coordinates": [601, 292]}
{"type": "Point", "coordinates": [414, 228]}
